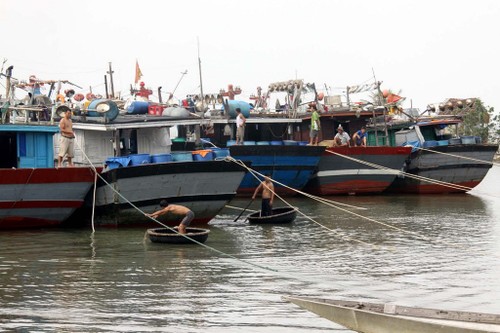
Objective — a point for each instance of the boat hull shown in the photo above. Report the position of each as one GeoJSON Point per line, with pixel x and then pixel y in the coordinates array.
{"type": "Point", "coordinates": [291, 166]}
{"type": "Point", "coordinates": [205, 187]}
{"type": "Point", "coordinates": [439, 164]}
{"type": "Point", "coordinates": [41, 197]}
{"type": "Point", "coordinates": [279, 216]}
{"type": "Point", "coordinates": [380, 318]}
{"type": "Point", "coordinates": [339, 173]}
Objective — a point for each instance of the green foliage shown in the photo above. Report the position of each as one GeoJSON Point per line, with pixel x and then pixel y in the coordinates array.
{"type": "Point", "coordinates": [482, 121]}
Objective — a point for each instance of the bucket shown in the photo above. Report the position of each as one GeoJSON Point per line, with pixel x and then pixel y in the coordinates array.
{"type": "Point", "coordinates": [263, 143]}
{"type": "Point", "coordinates": [468, 140]}
{"type": "Point", "coordinates": [161, 158]}
{"type": "Point", "coordinates": [430, 143]}
{"type": "Point", "coordinates": [182, 156]}
{"type": "Point", "coordinates": [138, 159]}
{"type": "Point", "coordinates": [103, 108]}
{"type": "Point", "coordinates": [289, 142]}
{"type": "Point", "coordinates": [138, 107]}
{"type": "Point", "coordinates": [155, 109]}
{"type": "Point", "coordinates": [203, 155]}
{"type": "Point", "coordinates": [276, 143]}
{"type": "Point", "coordinates": [249, 143]}
{"type": "Point", "coordinates": [220, 152]}
{"type": "Point", "coordinates": [455, 141]}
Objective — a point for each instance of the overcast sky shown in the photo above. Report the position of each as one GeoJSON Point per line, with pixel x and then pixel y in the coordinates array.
{"type": "Point", "coordinates": [431, 50]}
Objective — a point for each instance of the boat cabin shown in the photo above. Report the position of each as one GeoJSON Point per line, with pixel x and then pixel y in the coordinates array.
{"type": "Point", "coordinates": [27, 146]}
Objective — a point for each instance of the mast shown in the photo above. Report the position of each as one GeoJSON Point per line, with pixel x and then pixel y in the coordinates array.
{"type": "Point", "coordinates": [197, 129]}
{"type": "Point", "coordinates": [201, 81]}
{"type": "Point", "coordinates": [110, 72]}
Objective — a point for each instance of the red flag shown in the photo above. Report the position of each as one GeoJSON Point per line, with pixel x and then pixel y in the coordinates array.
{"type": "Point", "coordinates": [138, 73]}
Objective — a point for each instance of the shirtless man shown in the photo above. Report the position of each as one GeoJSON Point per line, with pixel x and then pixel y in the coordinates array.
{"type": "Point", "coordinates": [67, 139]}
{"type": "Point", "coordinates": [175, 210]}
{"type": "Point", "coordinates": [267, 188]}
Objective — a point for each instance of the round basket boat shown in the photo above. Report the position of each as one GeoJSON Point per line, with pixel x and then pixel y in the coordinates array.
{"type": "Point", "coordinates": [166, 235]}
{"type": "Point", "coordinates": [280, 215]}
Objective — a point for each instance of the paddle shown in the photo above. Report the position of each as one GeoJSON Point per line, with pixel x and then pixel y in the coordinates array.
{"type": "Point", "coordinates": [243, 210]}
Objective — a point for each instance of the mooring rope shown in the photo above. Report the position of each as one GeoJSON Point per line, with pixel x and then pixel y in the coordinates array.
{"type": "Point", "coordinates": [287, 274]}
{"type": "Point", "coordinates": [413, 233]}
{"type": "Point", "coordinates": [170, 228]}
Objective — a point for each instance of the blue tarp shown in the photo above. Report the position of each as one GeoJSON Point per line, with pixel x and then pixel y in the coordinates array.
{"type": "Point", "coordinates": [414, 144]}
{"type": "Point", "coordinates": [123, 161]}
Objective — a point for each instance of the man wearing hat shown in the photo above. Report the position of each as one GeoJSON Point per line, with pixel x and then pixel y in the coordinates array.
{"type": "Point", "coordinates": [341, 139]}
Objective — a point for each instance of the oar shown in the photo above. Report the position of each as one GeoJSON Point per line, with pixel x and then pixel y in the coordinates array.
{"type": "Point", "coordinates": [243, 210]}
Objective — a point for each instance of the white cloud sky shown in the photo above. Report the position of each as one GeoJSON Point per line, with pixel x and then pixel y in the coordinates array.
{"type": "Point", "coordinates": [431, 50]}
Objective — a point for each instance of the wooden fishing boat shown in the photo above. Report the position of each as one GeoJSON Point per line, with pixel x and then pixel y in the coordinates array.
{"type": "Point", "coordinates": [280, 215]}
{"type": "Point", "coordinates": [389, 318]}
{"type": "Point", "coordinates": [168, 235]}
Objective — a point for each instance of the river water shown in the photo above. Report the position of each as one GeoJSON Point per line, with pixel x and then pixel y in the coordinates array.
{"type": "Point", "coordinates": [433, 251]}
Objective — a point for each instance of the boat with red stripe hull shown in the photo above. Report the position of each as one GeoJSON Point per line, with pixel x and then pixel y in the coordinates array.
{"type": "Point", "coordinates": [347, 170]}
{"type": "Point", "coordinates": [41, 197]}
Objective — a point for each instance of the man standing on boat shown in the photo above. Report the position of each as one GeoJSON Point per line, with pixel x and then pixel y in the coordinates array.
{"type": "Point", "coordinates": [267, 188]}
{"type": "Point", "coordinates": [240, 127]}
{"type": "Point", "coordinates": [314, 133]}
{"type": "Point", "coordinates": [175, 210]}
{"type": "Point", "coordinates": [67, 139]}
{"type": "Point", "coordinates": [341, 139]}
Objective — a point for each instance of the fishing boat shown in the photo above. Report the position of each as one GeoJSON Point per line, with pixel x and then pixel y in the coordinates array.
{"type": "Point", "coordinates": [279, 215]}
{"type": "Point", "coordinates": [441, 161]}
{"type": "Point", "coordinates": [33, 192]}
{"type": "Point", "coordinates": [390, 318]}
{"type": "Point", "coordinates": [357, 170]}
{"type": "Point", "coordinates": [171, 236]}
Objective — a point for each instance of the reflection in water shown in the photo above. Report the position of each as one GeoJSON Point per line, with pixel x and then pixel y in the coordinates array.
{"type": "Point", "coordinates": [444, 254]}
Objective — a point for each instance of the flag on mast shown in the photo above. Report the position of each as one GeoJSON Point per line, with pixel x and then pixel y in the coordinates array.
{"type": "Point", "coordinates": [138, 73]}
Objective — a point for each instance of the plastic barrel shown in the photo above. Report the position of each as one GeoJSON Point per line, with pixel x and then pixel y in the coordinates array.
{"type": "Point", "coordinates": [244, 107]}
{"type": "Point", "coordinates": [263, 143]}
{"type": "Point", "coordinates": [161, 158]}
{"type": "Point", "coordinates": [455, 141]}
{"type": "Point", "coordinates": [182, 156]}
{"type": "Point", "coordinates": [203, 155]}
{"type": "Point", "coordinates": [303, 143]}
{"type": "Point", "coordinates": [478, 139]}
{"type": "Point", "coordinates": [442, 142]}
{"type": "Point", "coordinates": [230, 143]}
{"type": "Point", "coordinates": [138, 159]}
{"type": "Point", "coordinates": [138, 107]}
{"type": "Point", "coordinates": [249, 143]}
{"type": "Point", "coordinates": [103, 108]}
{"type": "Point", "coordinates": [290, 142]}
{"type": "Point", "coordinates": [468, 140]}
{"type": "Point", "coordinates": [430, 143]}
{"type": "Point", "coordinates": [276, 143]}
